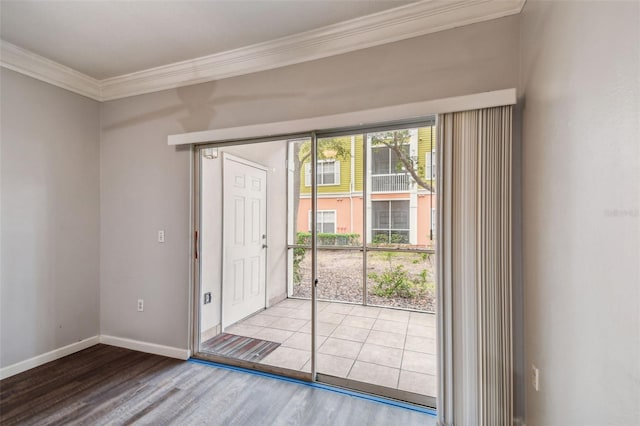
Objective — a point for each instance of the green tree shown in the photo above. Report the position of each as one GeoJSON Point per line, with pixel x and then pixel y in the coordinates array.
{"type": "Point", "coordinates": [328, 148]}
{"type": "Point", "coordinates": [395, 140]}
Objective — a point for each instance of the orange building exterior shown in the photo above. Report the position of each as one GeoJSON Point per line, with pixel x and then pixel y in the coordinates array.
{"type": "Point", "coordinates": [349, 215]}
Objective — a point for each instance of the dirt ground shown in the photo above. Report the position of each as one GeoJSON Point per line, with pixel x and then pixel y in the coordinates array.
{"type": "Point", "coordinates": [340, 278]}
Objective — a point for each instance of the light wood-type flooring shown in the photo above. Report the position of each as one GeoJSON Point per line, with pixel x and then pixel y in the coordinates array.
{"type": "Point", "coordinates": [108, 385]}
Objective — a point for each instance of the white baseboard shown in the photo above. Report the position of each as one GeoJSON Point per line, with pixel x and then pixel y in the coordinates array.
{"type": "Point", "coordinates": [38, 360]}
{"type": "Point", "coordinates": [210, 333]}
{"type": "Point", "coordinates": [151, 348]}
{"type": "Point", "coordinates": [135, 345]}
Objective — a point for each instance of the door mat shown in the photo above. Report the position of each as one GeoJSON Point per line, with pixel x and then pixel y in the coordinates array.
{"type": "Point", "coordinates": [239, 347]}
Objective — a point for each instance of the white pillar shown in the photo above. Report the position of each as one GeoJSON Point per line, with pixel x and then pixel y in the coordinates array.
{"type": "Point", "coordinates": [366, 194]}
{"type": "Point", "coordinates": [413, 191]}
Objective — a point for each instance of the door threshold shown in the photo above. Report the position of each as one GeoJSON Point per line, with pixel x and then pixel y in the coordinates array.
{"type": "Point", "coordinates": [250, 366]}
{"type": "Point", "coordinates": [379, 391]}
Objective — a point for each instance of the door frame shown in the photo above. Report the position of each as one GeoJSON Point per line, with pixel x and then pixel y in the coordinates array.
{"type": "Point", "coordinates": [314, 376]}
{"type": "Point", "coordinates": [225, 156]}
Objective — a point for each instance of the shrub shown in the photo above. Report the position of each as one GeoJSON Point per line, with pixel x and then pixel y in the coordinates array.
{"type": "Point", "coordinates": [396, 281]}
{"type": "Point", "coordinates": [298, 257]}
{"type": "Point", "coordinates": [394, 239]}
{"type": "Point", "coordinates": [304, 239]}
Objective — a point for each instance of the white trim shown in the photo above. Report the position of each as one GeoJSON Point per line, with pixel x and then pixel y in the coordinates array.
{"type": "Point", "coordinates": [72, 348]}
{"type": "Point", "coordinates": [44, 358]}
{"type": "Point", "coordinates": [433, 220]}
{"type": "Point", "coordinates": [28, 63]}
{"type": "Point", "coordinates": [430, 165]}
{"type": "Point", "coordinates": [347, 195]}
{"type": "Point", "coordinates": [337, 195]}
{"type": "Point", "coordinates": [392, 199]}
{"type": "Point", "coordinates": [391, 192]}
{"type": "Point", "coordinates": [388, 26]}
{"type": "Point", "coordinates": [356, 118]}
{"type": "Point", "coordinates": [400, 23]}
{"type": "Point", "coordinates": [413, 217]}
{"type": "Point", "coordinates": [413, 188]}
{"type": "Point", "coordinates": [151, 348]}
{"type": "Point", "coordinates": [307, 174]}
{"type": "Point", "coordinates": [194, 263]}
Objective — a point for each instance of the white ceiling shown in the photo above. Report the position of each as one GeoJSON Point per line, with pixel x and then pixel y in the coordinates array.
{"type": "Point", "coordinates": [108, 50]}
{"type": "Point", "coordinates": [104, 39]}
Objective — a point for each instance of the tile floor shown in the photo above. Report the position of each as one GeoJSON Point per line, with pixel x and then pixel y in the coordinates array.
{"type": "Point", "coordinates": [386, 347]}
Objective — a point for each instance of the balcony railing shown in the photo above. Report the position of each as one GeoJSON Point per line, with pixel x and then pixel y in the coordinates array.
{"type": "Point", "coordinates": [390, 183]}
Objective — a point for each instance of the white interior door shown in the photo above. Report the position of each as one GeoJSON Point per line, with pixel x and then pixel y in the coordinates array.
{"type": "Point", "coordinates": [244, 239]}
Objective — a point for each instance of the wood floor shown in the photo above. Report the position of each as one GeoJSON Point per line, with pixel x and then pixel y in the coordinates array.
{"type": "Point", "coordinates": [109, 385]}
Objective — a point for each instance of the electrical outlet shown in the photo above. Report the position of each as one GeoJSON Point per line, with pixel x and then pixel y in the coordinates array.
{"type": "Point", "coordinates": [140, 305]}
{"type": "Point", "coordinates": [535, 377]}
{"type": "Point", "coordinates": [161, 236]}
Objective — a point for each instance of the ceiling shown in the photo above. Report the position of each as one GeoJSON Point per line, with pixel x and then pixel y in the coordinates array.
{"type": "Point", "coordinates": [104, 39]}
{"type": "Point", "coordinates": [114, 49]}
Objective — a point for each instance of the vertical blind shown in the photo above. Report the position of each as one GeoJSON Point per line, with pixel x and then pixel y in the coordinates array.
{"type": "Point", "coordinates": [475, 266]}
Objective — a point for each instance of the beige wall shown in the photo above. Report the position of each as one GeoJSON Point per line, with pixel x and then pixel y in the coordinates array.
{"type": "Point", "coordinates": [144, 187]}
{"type": "Point", "coordinates": [50, 217]}
{"type": "Point", "coordinates": [145, 184]}
{"type": "Point", "coordinates": [581, 201]}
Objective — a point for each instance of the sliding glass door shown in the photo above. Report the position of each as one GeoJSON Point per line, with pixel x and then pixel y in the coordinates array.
{"type": "Point", "coordinates": [400, 254]}
{"type": "Point", "coordinates": [375, 260]}
{"type": "Point", "coordinates": [355, 274]}
{"type": "Point", "coordinates": [245, 315]}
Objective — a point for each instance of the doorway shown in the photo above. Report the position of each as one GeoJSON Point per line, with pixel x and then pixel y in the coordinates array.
{"type": "Point", "coordinates": [349, 297]}
{"type": "Point", "coordinates": [240, 266]}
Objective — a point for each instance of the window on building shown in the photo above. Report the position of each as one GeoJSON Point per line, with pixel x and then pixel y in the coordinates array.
{"type": "Point", "coordinates": [326, 221]}
{"type": "Point", "coordinates": [385, 161]}
{"type": "Point", "coordinates": [430, 166]}
{"type": "Point", "coordinates": [390, 221]}
{"type": "Point", "coordinates": [328, 173]}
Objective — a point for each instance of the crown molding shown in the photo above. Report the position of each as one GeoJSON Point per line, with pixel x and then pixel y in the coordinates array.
{"type": "Point", "coordinates": [412, 20]}
{"type": "Point", "coordinates": [26, 62]}
{"type": "Point", "coordinates": [388, 26]}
